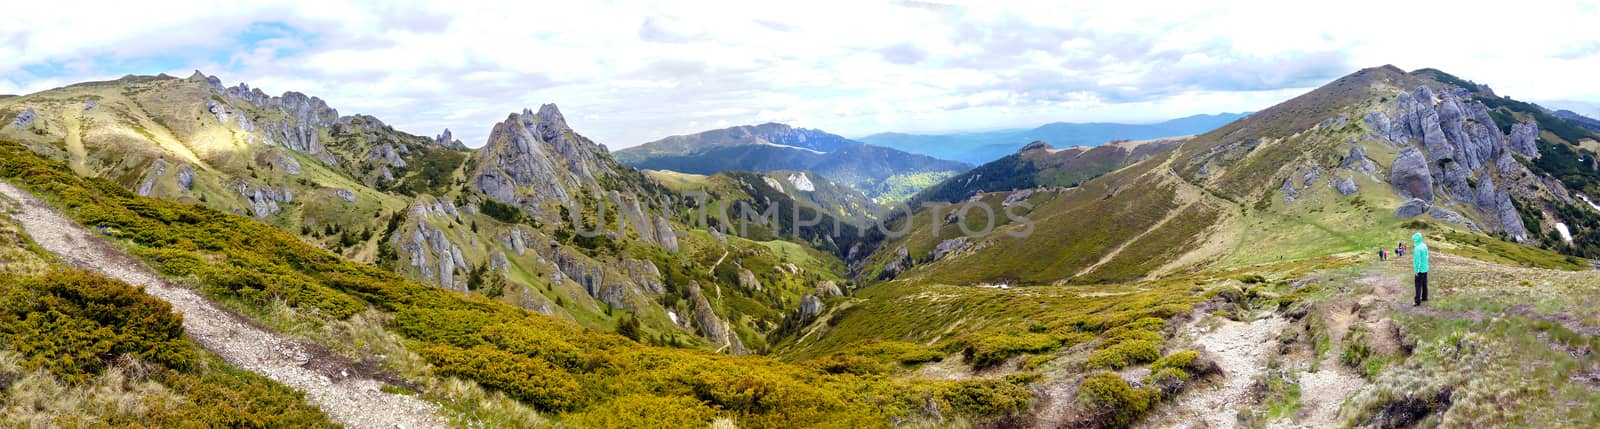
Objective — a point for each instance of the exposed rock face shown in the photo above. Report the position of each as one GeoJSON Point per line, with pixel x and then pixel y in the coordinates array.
{"type": "Point", "coordinates": [345, 194]}
{"type": "Point", "coordinates": [151, 174]}
{"type": "Point", "coordinates": [829, 288]}
{"type": "Point", "coordinates": [263, 199]}
{"type": "Point", "coordinates": [1017, 196]}
{"type": "Point", "coordinates": [387, 153]}
{"type": "Point", "coordinates": [1357, 161]}
{"type": "Point", "coordinates": [712, 327]}
{"type": "Point", "coordinates": [24, 119]}
{"type": "Point", "coordinates": [532, 158]}
{"type": "Point", "coordinates": [1410, 175]}
{"type": "Point", "coordinates": [89, 105]}
{"type": "Point", "coordinates": [948, 247]}
{"type": "Point", "coordinates": [810, 306]}
{"type": "Point", "coordinates": [1347, 186]}
{"type": "Point", "coordinates": [186, 177]}
{"type": "Point", "coordinates": [286, 163]}
{"type": "Point", "coordinates": [1449, 140]}
{"type": "Point", "coordinates": [435, 256]}
{"type": "Point", "coordinates": [1522, 139]}
{"type": "Point", "coordinates": [748, 280]}
{"type": "Point", "coordinates": [449, 141]}
{"type": "Point", "coordinates": [645, 275]}
{"type": "Point", "coordinates": [297, 130]}
{"type": "Point", "coordinates": [1413, 208]}
{"type": "Point", "coordinates": [900, 263]}
{"type": "Point", "coordinates": [1289, 193]}
{"type": "Point", "coordinates": [217, 109]}
{"type": "Point", "coordinates": [802, 182]}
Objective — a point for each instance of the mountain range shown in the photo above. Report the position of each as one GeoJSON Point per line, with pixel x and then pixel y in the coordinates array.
{"type": "Point", "coordinates": [1216, 276]}
{"type": "Point", "coordinates": [981, 147]}
{"type": "Point", "coordinates": [883, 174]}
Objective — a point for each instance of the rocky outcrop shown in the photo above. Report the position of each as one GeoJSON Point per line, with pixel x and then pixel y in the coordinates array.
{"type": "Point", "coordinates": [24, 119]}
{"type": "Point", "coordinates": [829, 288]}
{"type": "Point", "coordinates": [1413, 208]}
{"type": "Point", "coordinates": [948, 247]}
{"type": "Point", "coordinates": [645, 275]}
{"type": "Point", "coordinates": [1347, 187]}
{"type": "Point", "coordinates": [263, 199]}
{"type": "Point", "coordinates": [1523, 137]}
{"type": "Point", "coordinates": [186, 177]}
{"type": "Point", "coordinates": [900, 262]}
{"type": "Point", "coordinates": [749, 281]}
{"type": "Point", "coordinates": [810, 306]}
{"type": "Point", "coordinates": [345, 194]}
{"type": "Point", "coordinates": [1410, 175]}
{"type": "Point", "coordinates": [154, 172]}
{"type": "Point", "coordinates": [533, 158]}
{"type": "Point", "coordinates": [1449, 143]}
{"type": "Point", "coordinates": [712, 327]}
{"type": "Point", "coordinates": [1288, 190]}
{"type": "Point", "coordinates": [434, 256]}
{"type": "Point", "coordinates": [802, 182]}
{"type": "Point", "coordinates": [217, 109]}
{"type": "Point", "coordinates": [449, 141]}
{"type": "Point", "coordinates": [387, 153]}
{"type": "Point", "coordinates": [1357, 161]}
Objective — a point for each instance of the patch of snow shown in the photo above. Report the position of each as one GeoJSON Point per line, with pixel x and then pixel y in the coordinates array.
{"type": "Point", "coordinates": [1566, 235]}
{"type": "Point", "coordinates": [672, 315]}
{"type": "Point", "coordinates": [802, 182]}
{"type": "Point", "coordinates": [764, 142]}
{"type": "Point", "coordinates": [1585, 199]}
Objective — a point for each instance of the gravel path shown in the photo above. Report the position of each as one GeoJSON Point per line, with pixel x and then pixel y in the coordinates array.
{"type": "Point", "coordinates": [347, 393]}
{"type": "Point", "coordinates": [1241, 349]}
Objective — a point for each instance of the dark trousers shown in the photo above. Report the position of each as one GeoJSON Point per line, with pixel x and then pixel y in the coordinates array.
{"type": "Point", "coordinates": [1421, 293]}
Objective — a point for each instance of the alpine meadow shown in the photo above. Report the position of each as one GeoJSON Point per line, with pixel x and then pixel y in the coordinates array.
{"type": "Point", "coordinates": [799, 215]}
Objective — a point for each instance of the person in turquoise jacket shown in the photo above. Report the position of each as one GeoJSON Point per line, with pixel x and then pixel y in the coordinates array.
{"type": "Point", "coordinates": [1419, 264]}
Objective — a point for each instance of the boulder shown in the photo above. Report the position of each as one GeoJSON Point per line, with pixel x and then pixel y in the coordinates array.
{"type": "Point", "coordinates": [186, 177]}
{"type": "Point", "coordinates": [748, 280]}
{"type": "Point", "coordinates": [1413, 208]}
{"type": "Point", "coordinates": [810, 306]}
{"type": "Point", "coordinates": [829, 288]}
{"type": "Point", "coordinates": [1410, 176]}
{"type": "Point", "coordinates": [1357, 161]}
{"type": "Point", "coordinates": [1347, 186]}
{"type": "Point", "coordinates": [897, 264]}
{"type": "Point", "coordinates": [1289, 193]}
{"type": "Point", "coordinates": [948, 247]}
{"type": "Point", "coordinates": [345, 194]}
{"type": "Point", "coordinates": [24, 119]}
{"type": "Point", "coordinates": [151, 174]}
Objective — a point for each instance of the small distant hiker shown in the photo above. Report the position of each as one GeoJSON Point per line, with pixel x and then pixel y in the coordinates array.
{"type": "Point", "coordinates": [1383, 254]}
{"type": "Point", "coordinates": [1419, 264]}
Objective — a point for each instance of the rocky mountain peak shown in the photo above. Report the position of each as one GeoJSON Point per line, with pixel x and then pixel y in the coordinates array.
{"type": "Point", "coordinates": [1037, 145]}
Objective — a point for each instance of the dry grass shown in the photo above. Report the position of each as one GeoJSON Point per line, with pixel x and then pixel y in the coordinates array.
{"type": "Point", "coordinates": [38, 399]}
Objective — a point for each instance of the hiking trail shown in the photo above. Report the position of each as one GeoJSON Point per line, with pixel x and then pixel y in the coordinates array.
{"type": "Point", "coordinates": [349, 395]}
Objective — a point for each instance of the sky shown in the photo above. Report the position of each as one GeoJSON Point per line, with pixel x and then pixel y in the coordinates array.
{"type": "Point", "coordinates": [629, 72]}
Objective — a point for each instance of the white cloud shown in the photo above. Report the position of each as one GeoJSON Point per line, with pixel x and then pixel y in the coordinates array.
{"type": "Point", "coordinates": [630, 71]}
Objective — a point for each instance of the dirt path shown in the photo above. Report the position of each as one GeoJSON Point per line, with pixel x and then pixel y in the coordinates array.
{"type": "Point", "coordinates": [1241, 349]}
{"type": "Point", "coordinates": [76, 154]}
{"type": "Point", "coordinates": [331, 383]}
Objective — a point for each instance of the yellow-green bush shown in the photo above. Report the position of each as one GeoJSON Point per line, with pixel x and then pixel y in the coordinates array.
{"type": "Point", "coordinates": [644, 411]}
{"type": "Point", "coordinates": [989, 350]}
{"type": "Point", "coordinates": [1112, 401]}
{"type": "Point", "coordinates": [72, 322]}
{"type": "Point", "coordinates": [1183, 359]}
{"type": "Point", "coordinates": [1120, 355]}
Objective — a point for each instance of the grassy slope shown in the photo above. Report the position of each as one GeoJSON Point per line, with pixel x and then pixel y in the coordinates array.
{"type": "Point", "coordinates": [572, 374]}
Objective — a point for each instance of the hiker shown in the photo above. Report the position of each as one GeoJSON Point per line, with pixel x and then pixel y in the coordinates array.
{"type": "Point", "coordinates": [1419, 264]}
{"type": "Point", "coordinates": [1383, 254]}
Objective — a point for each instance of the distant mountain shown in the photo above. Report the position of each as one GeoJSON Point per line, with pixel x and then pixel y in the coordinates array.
{"type": "Point", "coordinates": [1041, 165]}
{"type": "Point", "coordinates": [881, 173]}
{"type": "Point", "coordinates": [1585, 122]}
{"type": "Point", "coordinates": [981, 147]}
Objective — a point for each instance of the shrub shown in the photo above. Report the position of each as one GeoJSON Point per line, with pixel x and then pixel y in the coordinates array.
{"type": "Point", "coordinates": [1122, 354]}
{"type": "Point", "coordinates": [987, 351]}
{"type": "Point", "coordinates": [1111, 401]}
{"type": "Point", "coordinates": [1183, 360]}
{"type": "Point", "coordinates": [635, 411]}
{"type": "Point", "coordinates": [985, 398]}
{"type": "Point", "coordinates": [73, 322]}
